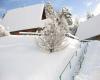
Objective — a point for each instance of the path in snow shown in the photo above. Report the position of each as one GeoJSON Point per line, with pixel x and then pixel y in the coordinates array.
{"type": "Point", "coordinates": [91, 65]}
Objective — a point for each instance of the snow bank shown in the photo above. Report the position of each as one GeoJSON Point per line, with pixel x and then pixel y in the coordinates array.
{"type": "Point", "coordinates": [91, 66]}
{"type": "Point", "coordinates": [21, 59]}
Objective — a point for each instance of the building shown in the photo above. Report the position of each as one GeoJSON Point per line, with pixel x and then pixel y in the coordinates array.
{"type": "Point", "coordinates": [25, 19]}
{"type": "Point", "coordinates": [89, 29]}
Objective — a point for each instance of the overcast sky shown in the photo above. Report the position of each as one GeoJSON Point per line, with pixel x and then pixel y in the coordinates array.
{"type": "Point", "coordinates": [78, 7]}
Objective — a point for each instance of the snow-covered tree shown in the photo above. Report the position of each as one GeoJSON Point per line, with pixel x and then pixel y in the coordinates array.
{"type": "Point", "coordinates": [67, 14]}
{"type": "Point", "coordinates": [3, 32]}
{"type": "Point", "coordinates": [89, 15]}
{"type": "Point", "coordinates": [75, 26]}
{"type": "Point", "coordinates": [50, 13]}
{"type": "Point", "coordinates": [52, 37]}
{"type": "Point", "coordinates": [63, 22]}
{"type": "Point", "coordinates": [3, 13]}
{"type": "Point", "coordinates": [65, 19]}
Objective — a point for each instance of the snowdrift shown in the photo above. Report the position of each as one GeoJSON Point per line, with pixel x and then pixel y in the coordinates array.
{"type": "Point", "coordinates": [21, 59]}
{"type": "Point", "coordinates": [91, 66]}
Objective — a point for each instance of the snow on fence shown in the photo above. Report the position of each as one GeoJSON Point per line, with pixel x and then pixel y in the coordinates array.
{"type": "Point", "coordinates": [73, 66]}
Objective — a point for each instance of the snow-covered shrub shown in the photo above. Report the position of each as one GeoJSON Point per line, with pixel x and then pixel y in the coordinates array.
{"type": "Point", "coordinates": [3, 32]}
{"type": "Point", "coordinates": [89, 15]}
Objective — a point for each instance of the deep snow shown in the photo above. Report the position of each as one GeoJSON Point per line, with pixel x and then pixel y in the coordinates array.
{"type": "Point", "coordinates": [91, 65]}
{"type": "Point", "coordinates": [21, 59]}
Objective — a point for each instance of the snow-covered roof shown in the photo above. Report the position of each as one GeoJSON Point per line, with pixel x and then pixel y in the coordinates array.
{"type": "Point", "coordinates": [23, 18]}
{"type": "Point", "coordinates": [89, 28]}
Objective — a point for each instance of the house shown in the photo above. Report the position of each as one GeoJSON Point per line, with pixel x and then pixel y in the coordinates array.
{"type": "Point", "coordinates": [25, 19]}
{"type": "Point", "coordinates": [89, 29]}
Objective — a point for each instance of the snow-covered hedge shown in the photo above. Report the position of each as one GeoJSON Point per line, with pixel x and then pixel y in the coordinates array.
{"type": "Point", "coordinates": [3, 32]}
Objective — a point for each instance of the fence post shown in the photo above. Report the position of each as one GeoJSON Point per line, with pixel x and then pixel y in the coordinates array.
{"type": "Point", "coordinates": [70, 65]}
{"type": "Point", "coordinates": [76, 53]}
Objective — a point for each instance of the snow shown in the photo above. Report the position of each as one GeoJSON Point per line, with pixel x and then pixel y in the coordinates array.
{"type": "Point", "coordinates": [74, 65]}
{"type": "Point", "coordinates": [0, 20]}
{"type": "Point", "coordinates": [24, 18]}
{"type": "Point", "coordinates": [89, 28]}
{"type": "Point", "coordinates": [3, 32]}
{"type": "Point", "coordinates": [21, 59]}
{"type": "Point", "coordinates": [91, 65]}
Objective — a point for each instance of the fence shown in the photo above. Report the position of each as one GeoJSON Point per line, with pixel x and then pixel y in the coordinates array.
{"type": "Point", "coordinates": [83, 48]}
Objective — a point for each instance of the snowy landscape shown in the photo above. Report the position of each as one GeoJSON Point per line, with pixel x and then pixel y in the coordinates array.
{"type": "Point", "coordinates": [39, 43]}
{"type": "Point", "coordinates": [24, 60]}
{"type": "Point", "coordinates": [90, 69]}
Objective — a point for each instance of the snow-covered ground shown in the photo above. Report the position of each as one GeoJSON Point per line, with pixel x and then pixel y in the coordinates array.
{"type": "Point", "coordinates": [91, 65]}
{"type": "Point", "coordinates": [21, 59]}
